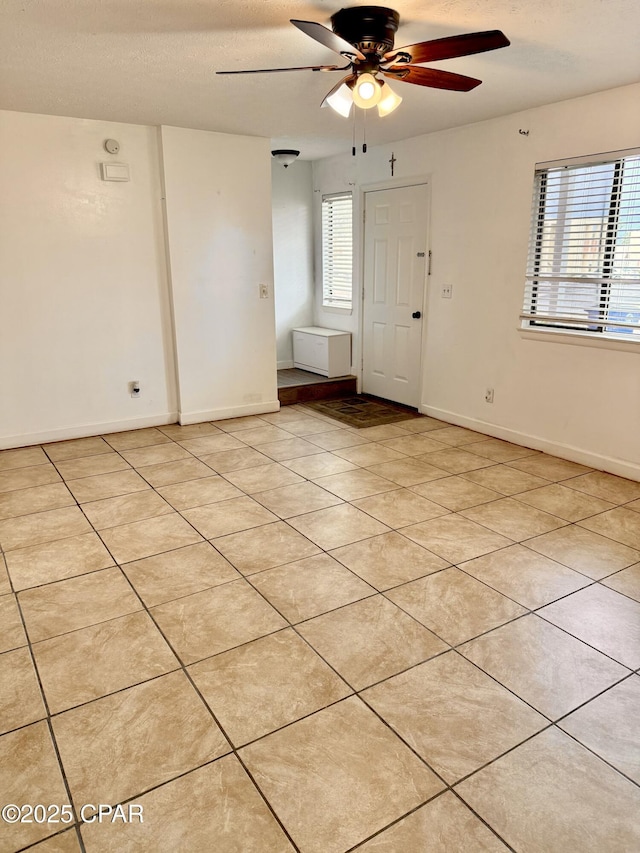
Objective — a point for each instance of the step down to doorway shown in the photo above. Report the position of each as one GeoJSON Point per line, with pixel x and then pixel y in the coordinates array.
{"type": "Point", "coordinates": [300, 386]}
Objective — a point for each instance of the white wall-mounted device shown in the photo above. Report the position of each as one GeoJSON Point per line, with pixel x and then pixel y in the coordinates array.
{"type": "Point", "coordinates": [114, 171]}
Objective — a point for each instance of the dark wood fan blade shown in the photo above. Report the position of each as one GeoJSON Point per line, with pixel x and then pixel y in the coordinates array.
{"type": "Point", "coordinates": [432, 77]}
{"type": "Point", "coordinates": [299, 68]}
{"type": "Point", "coordinates": [327, 38]}
{"type": "Point", "coordinates": [336, 87]}
{"type": "Point", "coordinates": [449, 48]}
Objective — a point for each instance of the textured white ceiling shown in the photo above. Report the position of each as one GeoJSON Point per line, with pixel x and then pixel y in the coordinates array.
{"type": "Point", "coordinates": [153, 62]}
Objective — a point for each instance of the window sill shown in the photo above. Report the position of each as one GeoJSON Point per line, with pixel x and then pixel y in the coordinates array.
{"type": "Point", "coordinates": [580, 339]}
{"type": "Point", "coordinates": [334, 309]}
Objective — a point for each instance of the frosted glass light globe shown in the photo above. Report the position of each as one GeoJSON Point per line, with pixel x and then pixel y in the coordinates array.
{"type": "Point", "coordinates": [367, 91]}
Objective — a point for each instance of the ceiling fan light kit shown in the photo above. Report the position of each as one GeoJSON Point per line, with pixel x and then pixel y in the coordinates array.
{"type": "Point", "coordinates": [364, 36]}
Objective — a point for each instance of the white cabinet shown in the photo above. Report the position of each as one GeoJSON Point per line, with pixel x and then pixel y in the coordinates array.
{"type": "Point", "coordinates": [324, 351]}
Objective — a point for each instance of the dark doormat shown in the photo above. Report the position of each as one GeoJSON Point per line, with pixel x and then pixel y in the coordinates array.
{"type": "Point", "coordinates": [363, 411]}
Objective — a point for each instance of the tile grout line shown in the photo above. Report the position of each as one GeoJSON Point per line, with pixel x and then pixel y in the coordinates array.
{"type": "Point", "coordinates": [183, 669]}
{"type": "Point", "coordinates": [293, 626]}
{"type": "Point", "coordinates": [396, 530]}
{"type": "Point", "coordinates": [355, 693]}
{"type": "Point", "coordinates": [396, 733]}
{"type": "Point", "coordinates": [47, 720]}
{"type": "Point", "coordinates": [71, 828]}
{"type": "Point", "coordinates": [285, 521]}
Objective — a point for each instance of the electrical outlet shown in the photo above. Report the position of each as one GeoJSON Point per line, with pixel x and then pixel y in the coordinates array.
{"type": "Point", "coordinates": [447, 291]}
{"type": "Point", "coordinates": [264, 291]}
{"type": "Point", "coordinates": [134, 389]}
{"type": "Point", "coordinates": [488, 395]}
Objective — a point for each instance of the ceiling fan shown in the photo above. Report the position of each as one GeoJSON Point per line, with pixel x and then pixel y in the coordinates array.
{"type": "Point", "coordinates": [364, 35]}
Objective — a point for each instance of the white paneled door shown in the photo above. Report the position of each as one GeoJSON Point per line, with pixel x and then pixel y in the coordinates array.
{"type": "Point", "coordinates": [395, 269]}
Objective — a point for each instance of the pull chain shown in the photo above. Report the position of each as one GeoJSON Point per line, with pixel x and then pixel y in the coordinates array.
{"type": "Point", "coordinates": [354, 129]}
{"type": "Point", "coordinates": [353, 138]}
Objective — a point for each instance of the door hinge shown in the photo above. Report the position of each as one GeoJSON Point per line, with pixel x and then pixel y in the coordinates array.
{"type": "Point", "coordinates": [429, 264]}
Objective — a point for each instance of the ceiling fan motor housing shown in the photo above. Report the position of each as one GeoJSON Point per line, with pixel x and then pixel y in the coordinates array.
{"type": "Point", "coordinates": [371, 29]}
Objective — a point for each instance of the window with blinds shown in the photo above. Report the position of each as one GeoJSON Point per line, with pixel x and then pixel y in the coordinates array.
{"type": "Point", "coordinates": [583, 271]}
{"type": "Point", "coordinates": [337, 251]}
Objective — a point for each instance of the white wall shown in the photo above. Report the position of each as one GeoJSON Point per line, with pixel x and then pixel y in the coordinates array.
{"type": "Point", "coordinates": [83, 297]}
{"type": "Point", "coordinates": [292, 199]}
{"type": "Point", "coordinates": [581, 402]}
{"type": "Point", "coordinates": [85, 301]}
{"type": "Point", "coordinates": [218, 212]}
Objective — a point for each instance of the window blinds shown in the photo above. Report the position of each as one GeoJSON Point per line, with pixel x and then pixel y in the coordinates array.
{"type": "Point", "coordinates": [583, 270]}
{"type": "Point", "coordinates": [337, 250]}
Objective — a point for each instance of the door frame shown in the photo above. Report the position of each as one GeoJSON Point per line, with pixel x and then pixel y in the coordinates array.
{"type": "Point", "coordinates": [394, 184]}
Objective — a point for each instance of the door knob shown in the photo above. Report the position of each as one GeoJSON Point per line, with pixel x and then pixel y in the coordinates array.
{"type": "Point", "coordinates": [416, 315]}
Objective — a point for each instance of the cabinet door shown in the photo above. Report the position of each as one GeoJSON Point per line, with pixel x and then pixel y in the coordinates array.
{"type": "Point", "coordinates": [339, 363]}
{"type": "Point", "coordinates": [320, 352]}
{"type": "Point", "coordinates": [303, 348]}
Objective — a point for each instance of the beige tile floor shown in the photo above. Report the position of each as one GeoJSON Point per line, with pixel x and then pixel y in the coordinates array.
{"type": "Point", "coordinates": [277, 633]}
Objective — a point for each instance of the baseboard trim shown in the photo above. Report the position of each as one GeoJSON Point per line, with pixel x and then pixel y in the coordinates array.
{"type": "Point", "coordinates": [231, 412]}
{"type": "Point", "coordinates": [285, 365]}
{"type": "Point", "coordinates": [620, 467]}
{"type": "Point", "coordinates": [85, 430]}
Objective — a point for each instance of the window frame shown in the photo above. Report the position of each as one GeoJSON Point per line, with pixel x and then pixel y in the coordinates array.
{"type": "Point", "coordinates": [609, 221]}
{"type": "Point", "coordinates": [329, 301]}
